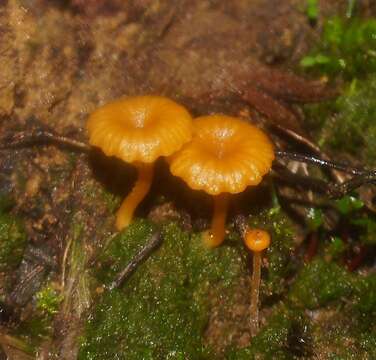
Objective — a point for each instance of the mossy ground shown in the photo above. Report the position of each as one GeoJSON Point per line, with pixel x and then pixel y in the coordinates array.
{"type": "Point", "coordinates": [308, 310]}
{"type": "Point", "coordinates": [312, 308]}
{"type": "Point", "coordinates": [166, 304]}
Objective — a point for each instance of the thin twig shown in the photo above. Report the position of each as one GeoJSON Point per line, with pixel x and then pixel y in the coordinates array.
{"type": "Point", "coordinates": [338, 177]}
{"type": "Point", "coordinates": [140, 257]}
{"type": "Point", "coordinates": [321, 162]}
{"type": "Point", "coordinates": [284, 174]}
{"type": "Point", "coordinates": [325, 204]}
{"type": "Point", "coordinates": [352, 184]}
{"type": "Point", "coordinates": [332, 190]}
{"type": "Point", "coordinates": [64, 262]}
{"type": "Point", "coordinates": [26, 138]}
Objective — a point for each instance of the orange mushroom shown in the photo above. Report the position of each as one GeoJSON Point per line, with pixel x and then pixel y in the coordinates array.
{"type": "Point", "coordinates": [225, 156]}
{"type": "Point", "coordinates": [256, 240]}
{"type": "Point", "coordinates": [138, 130]}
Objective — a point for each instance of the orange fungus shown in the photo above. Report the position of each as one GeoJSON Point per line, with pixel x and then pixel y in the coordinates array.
{"type": "Point", "coordinates": [257, 240]}
{"type": "Point", "coordinates": [224, 156]}
{"type": "Point", "coordinates": [138, 130]}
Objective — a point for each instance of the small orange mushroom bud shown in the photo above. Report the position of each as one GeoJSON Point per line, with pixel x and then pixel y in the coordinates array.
{"type": "Point", "coordinates": [256, 240]}
{"type": "Point", "coordinates": [138, 130]}
{"type": "Point", "coordinates": [225, 156]}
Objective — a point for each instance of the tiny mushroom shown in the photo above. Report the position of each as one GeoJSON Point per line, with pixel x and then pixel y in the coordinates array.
{"type": "Point", "coordinates": [224, 156]}
{"type": "Point", "coordinates": [138, 130]}
{"type": "Point", "coordinates": [256, 240]}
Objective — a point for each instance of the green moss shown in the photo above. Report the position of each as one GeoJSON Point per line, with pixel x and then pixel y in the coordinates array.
{"type": "Point", "coordinates": [315, 219]}
{"type": "Point", "coordinates": [320, 283]}
{"type": "Point", "coordinates": [367, 342]}
{"type": "Point", "coordinates": [365, 297]}
{"type": "Point", "coordinates": [12, 241]}
{"type": "Point", "coordinates": [366, 226]}
{"type": "Point", "coordinates": [312, 10]}
{"type": "Point", "coordinates": [162, 310]}
{"type": "Point", "coordinates": [355, 113]}
{"type": "Point", "coordinates": [336, 248]}
{"type": "Point", "coordinates": [35, 329]}
{"type": "Point", "coordinates": [347, 47]}
{"type": "Point", "coordinates": [92, 192]}
{"type": "Point", "coordinates": [346, 315]}
{"type": "Point", "coordinates": [48, 300]}
{"type": "Point", "coordinates": [347, 123]}
{"type": "Point", "coordinates": [348, 204]}
{"type": "Point", "coordinates": [284, 337]}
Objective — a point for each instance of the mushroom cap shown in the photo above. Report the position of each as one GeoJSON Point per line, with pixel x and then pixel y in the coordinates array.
{"type": "Point", "coordinates": [257, 239]}
{"type": "Point", "coordinates": [140, 128]}
{"type": "Point", "coordinates": [226, 154]}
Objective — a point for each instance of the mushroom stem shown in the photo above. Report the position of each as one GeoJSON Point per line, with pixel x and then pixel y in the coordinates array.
{"type": "Point", "coordinates": [217, 230]}
{"type": "Point", "coordinates": [255, 290]}
{"type": "Point", "coordinates": [141, 188]}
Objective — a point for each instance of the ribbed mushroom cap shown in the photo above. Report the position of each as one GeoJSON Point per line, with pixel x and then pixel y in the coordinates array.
{"type": "Point", "coordinates": [226, 154]}
{"type": "Point", "coordinates": [140, 129]}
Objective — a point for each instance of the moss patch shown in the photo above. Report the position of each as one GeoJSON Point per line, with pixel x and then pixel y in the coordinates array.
{"type": "Point", "coordinates": [285, 337]}
{"type": "Point", "coordinates": [319, 283]}
{"type": "Point", "coordinates": [162, 310]}
{"type": "Point", "coordinates": [347, 48]}
{"type": "Point", "coordinates": [12, 240]}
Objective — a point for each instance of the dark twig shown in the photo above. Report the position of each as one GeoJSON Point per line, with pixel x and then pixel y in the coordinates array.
{"type": "Point", "coordinates": [26, 138]}
{"type": "Point", "coordinates": [354, 263]}
{"type": "Point", "coordinates": [357, 181]}
{"type": "Point", "coordinates": [140, 257]}
{"type": "Point", "coordinates": [285, 175]}
{"type": "Point", "coordinates": [322, 204]}
{"type": "Point", "coordinates": [320, 162]}
{"type": "Point", "coordinates": [313, 245]}
{"type": "Point", "coordinates": [332, 190]}
{"type": "Point", "coordinates": [299, 138]}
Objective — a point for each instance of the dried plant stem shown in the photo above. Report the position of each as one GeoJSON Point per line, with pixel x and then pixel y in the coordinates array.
{"type": "Point", "coordinates": [16, 343]}
{"type": "Point", "coordinates": [26, 138]}
{"type": "Point", "coordinates": [255, 290]}
{"type": "Point", "coordinates": [139, 258]}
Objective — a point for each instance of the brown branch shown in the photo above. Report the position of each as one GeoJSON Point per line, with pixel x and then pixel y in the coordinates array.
{"type": "Point", "coordinates": [332, 190]}
{"type": "Point", "coordinates": [299, 138]}
{"type": "Point", "coordinates": [26, 138]}
{"type": "Point", "coordinates": [320, 162]}
{"type": "Point", "coordinates": [140, 257]}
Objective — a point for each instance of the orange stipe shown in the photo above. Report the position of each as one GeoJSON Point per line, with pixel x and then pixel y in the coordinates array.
{"type": "Point", "coordinates": [124, 215]}
{"type": "Point", "coordinates": [257, 240]}
{"type": "Point", "coordinates": [217, 231]}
